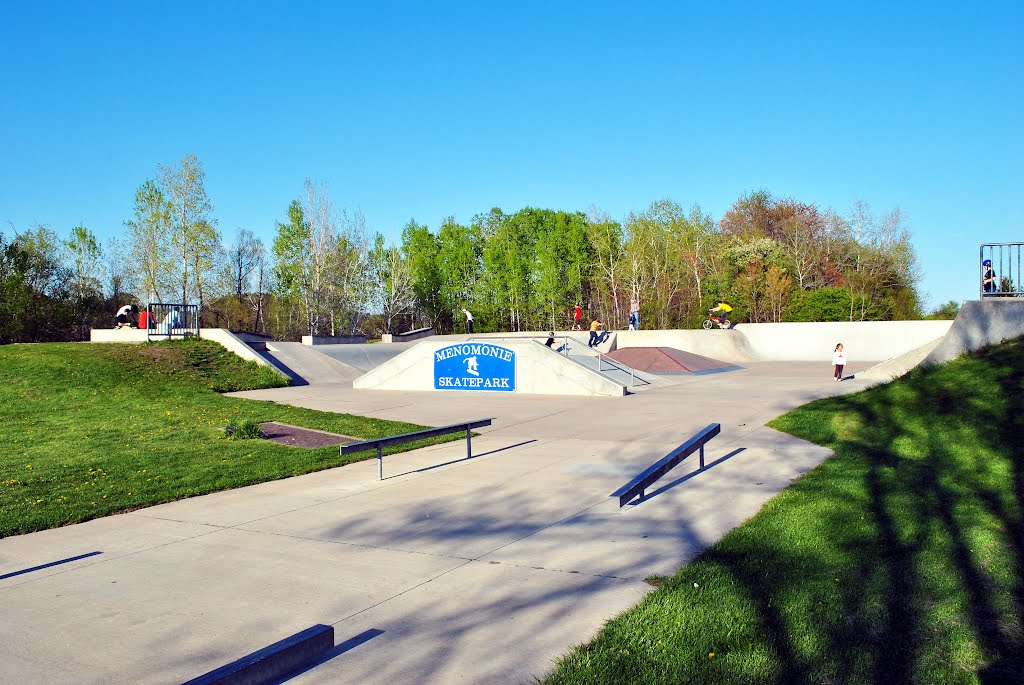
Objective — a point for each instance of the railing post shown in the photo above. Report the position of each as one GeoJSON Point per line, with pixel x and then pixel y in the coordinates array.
{"type": "Point", "coordinates": [380, 462]}
{"type": "Point", "coordinates": [469, 442]}
{"type": "Point", "coordinates": [702, 457]}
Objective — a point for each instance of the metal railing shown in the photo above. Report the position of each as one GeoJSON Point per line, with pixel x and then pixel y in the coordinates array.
{"type": "Point", "coordinates": [381, 443]}
{"type": "Point", "coordinates": [1006, 270]}
{"type": "Point", "coordinates": [637, 486]}
{"type": "Point", "coordinates": [171, 321]}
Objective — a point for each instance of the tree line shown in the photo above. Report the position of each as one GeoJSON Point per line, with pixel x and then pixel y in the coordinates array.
{"type": "Point", "coordinates": [323, 273]}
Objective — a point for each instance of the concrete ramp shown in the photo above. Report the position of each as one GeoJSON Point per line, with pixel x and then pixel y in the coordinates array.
{"type": "Point", "coordinates": [481, 366]}
{"type": "Point", "coordinates": [668, 360]}
{"type": "Point", "coordinates": [897, 366]}
{"type": "Point", "coordinates": [306, 366]}
{"type": "Point", "coordinates": [364, 357]}
{"type": "Point", "coordinates": [978, 324]}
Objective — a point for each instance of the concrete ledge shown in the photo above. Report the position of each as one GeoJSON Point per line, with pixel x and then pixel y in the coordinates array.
{"type": "Point", "coordinates": [333, 339]}
{"type": "Point", "coordinates": [408, 336]}
{"type": "Point", "coordinates": [270, 663]}
{"type": "Point", "coordinates": [117, 335]}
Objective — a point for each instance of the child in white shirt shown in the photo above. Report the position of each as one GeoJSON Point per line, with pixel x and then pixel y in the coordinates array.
{"type": "Point", "coordinates": [838, 361]}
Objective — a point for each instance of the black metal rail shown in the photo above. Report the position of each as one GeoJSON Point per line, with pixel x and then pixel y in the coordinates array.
{"type": "Point", "coordinates": [637, 486]}
{"type": "Point", "coordinates": [381, 443]}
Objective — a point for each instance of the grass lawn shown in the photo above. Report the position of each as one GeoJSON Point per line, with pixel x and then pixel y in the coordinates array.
{"type": "Point", "coordinates": [89, 430]}
{"type": "Point", "coordinates": [898, 560]}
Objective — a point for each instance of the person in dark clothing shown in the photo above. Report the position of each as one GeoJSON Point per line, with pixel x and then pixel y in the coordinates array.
{"type": "Point", "coordinates": [988, 277]}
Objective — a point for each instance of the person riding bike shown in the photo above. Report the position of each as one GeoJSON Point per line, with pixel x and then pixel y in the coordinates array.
{"type": "Point", "coordinates": [724, 308]}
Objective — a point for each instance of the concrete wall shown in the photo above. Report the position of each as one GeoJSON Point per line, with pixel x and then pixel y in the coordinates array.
{"type": "Point", "coordinates": [333, 339]}
{"type": "Point", "coordinates": [863, 340]}
{"type": "Point", "coordinates": [117, 335]}
{"type": "Point", "coordinates": [538, 371]}
{"type": "Point", "coordinates": [978, 324]}
{"type": "Point", "coordinates": [408, 336]}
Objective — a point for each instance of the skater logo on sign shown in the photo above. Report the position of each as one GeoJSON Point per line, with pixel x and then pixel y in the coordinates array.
{"type": "Point", "coordinates": [475, 366]}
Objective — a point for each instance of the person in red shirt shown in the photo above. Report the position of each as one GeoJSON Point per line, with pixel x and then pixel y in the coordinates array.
{"type": "Point", "coordinates": [577, 315]}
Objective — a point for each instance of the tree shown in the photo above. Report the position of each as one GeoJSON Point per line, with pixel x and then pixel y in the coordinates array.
{"type": "Point", "coordinates": [392, 281]}
{"type": "Point", "coordinates": [86, 259]}
{"type": "Point", "coordinates": [149, 233]}
{"type": "Point", "coordinates": [421, 249]}
{"type": "Point", "coordinates": [190, 217]}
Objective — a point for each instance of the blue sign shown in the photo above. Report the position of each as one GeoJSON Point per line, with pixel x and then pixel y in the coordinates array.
{"type": "Point", "coordinates": [475, 366]}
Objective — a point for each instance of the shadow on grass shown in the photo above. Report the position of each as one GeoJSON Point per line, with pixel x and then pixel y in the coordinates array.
{"type": "Point", "coordinates": [899, 560]}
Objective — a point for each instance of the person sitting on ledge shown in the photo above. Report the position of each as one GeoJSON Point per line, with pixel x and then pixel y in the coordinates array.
{"type": "Point", "coordinates": [126, 316]}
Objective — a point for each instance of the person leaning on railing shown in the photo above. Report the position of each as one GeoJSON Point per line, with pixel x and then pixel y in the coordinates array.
{"type": "Point", "coordinates": [988, 277]}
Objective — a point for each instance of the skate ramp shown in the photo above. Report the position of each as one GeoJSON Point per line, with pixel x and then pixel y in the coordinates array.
{"type": "Point", "coordinates": [305, 365]}
{"type": "Point", "coordinates": [897, 366]}
{"type": "Point", "coordinates": [874, 341]}
{"type": "Point", "coordinates": [364, 357]}
{"type": "Point", "coordinates": [662, 360]}
{"type": "Point", "coordinates": [980, 323]}
{"type": "Point", "coordinates": [531, 369]}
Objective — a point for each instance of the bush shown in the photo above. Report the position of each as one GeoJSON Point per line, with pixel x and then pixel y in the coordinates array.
{"type": "Point", "coordinates": [246, 429]}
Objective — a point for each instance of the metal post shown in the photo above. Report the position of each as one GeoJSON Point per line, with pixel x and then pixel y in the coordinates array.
{"type": "Point", "coordinates": [702, 457]}
{"type": "Point", "coordinates": [469, 442]}
{"type": "Point", "coordinates": [632, 379]}
{"type": "Point", "coordinates": [380, 462]}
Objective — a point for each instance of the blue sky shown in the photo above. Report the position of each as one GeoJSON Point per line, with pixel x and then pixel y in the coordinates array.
{"type": "Point", "coordinates": [417, 110]}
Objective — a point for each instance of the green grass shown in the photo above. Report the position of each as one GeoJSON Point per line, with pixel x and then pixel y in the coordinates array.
{"type": "Point", "coordinates": [898, 560]}
{"type": "Point", "coordinates": [89, 430]}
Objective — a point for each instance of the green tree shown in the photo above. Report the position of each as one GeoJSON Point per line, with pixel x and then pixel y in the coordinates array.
{"type": "Point", "coordinates": [149, 234]}
{"type": "Point", "coordinates": [193, 228]}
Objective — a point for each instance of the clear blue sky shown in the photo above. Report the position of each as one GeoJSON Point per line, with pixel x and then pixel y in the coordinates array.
{"type": "Point", "coordinates": [424, 110]}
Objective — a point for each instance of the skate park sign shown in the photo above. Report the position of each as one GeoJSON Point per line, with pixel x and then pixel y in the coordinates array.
{"type": "Point", "coordinates": [475, 366]}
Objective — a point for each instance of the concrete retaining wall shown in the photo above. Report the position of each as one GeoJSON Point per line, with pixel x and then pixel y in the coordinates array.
{"type": "Point", "coordinates": [863, 340]}
{"type": "Point", "coordinates": [333, 339]}
{"type": "Point", "coordinates": [978, 324]}
{"type": "Point", "coordinates": [408, 336]}
{"type": "Point", "coordinates": [538, 371]}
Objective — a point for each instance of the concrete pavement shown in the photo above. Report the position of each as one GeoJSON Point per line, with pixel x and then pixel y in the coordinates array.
{"type": "Point", "coordinates": [449, 570]}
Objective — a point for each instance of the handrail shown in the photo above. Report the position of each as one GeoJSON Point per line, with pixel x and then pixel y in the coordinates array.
{"type": "Point", "coordinates": [637, 486]}
{"type": "Point", "coordinates": [381, 443]}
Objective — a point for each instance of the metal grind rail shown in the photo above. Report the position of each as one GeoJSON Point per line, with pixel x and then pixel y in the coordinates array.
{"type": "Point", "coordinates": [170, 321]}
{"type": "Point", "coordinates": [381, 443]}
{"type": "Point", "coordinates": [637, 486]}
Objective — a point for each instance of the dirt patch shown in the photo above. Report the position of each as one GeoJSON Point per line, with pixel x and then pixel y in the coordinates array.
{"type": "Point", "coordinates": [293, 436]}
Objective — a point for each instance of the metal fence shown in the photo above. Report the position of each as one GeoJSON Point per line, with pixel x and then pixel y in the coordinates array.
{"type": "Point", "coordinates": [171, 321]}
{"type": "Point", "coordinates": [1002, 278]}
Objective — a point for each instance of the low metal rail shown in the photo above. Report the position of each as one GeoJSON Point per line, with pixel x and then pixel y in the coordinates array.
{"type": "Point", "coordinates": [381, 443]}
{"type": "Point", "coordinates": [637, 486]}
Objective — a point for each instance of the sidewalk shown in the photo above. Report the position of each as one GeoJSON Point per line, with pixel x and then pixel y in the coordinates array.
{"type": "Point", "coordinates": [448, 570]}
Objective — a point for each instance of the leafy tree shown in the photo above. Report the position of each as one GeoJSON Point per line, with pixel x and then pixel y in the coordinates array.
{"type": "Point", "coordinates": [86, 258]}
{"type": "Point", "coordinates": [190, 217]}
{"type": "Point", "coordinates": [149, 234]}
{"type": "Point", "coordinates": [392, 281]}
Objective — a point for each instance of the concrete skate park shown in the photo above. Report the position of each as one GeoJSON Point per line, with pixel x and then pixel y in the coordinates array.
{"type": "Point", "coordinates": [452, 569]}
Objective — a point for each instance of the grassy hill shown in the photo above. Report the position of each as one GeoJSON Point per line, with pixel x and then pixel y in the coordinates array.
{"type": "Point", "coordinates": [89, 430]}
{"type": "Point", "coordinates": [898, 560]}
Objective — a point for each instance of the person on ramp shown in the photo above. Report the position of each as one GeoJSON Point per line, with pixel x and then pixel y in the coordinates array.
{"type": "Point", "coordinates": [595, 339]}
{"type": "Point", "coordinates": [469, 320]}
{"type": "Point", "coordinates": [724, 308]}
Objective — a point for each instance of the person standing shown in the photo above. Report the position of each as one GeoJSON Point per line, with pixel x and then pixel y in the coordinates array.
{"type": "Point", "coordinates": [634, 314]}
{"type": "Point", "coordinates": [838, 362]}
{"type": "Point", "coordinates": [469, 320]}
{"type": "Point", "coordinates": [988, 277]}
{"type": "Point", "coordinates": [633, 321]}
{"type": "Point", "coordinates": [577, 316]}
